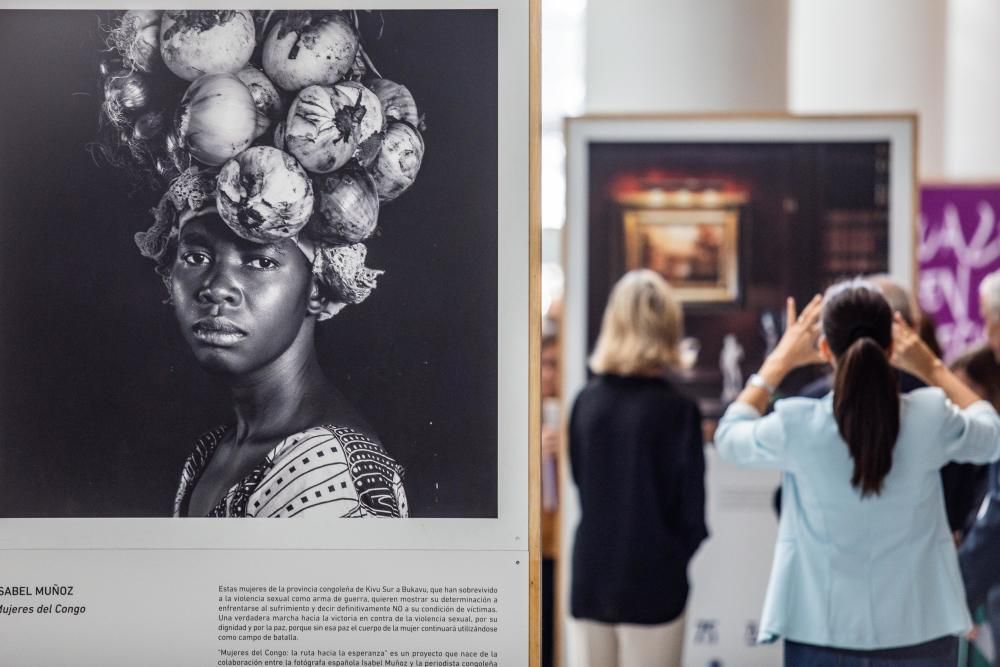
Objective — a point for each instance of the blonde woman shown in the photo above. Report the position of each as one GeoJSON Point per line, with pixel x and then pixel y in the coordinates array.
{"type": "Point", "coordinates": [635, 448]}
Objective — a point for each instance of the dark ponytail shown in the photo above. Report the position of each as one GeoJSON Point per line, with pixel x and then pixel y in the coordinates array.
{"type": "Point", "coordinates": [857, 323]}
{"type": "Point", "coordinates": [866, 405]}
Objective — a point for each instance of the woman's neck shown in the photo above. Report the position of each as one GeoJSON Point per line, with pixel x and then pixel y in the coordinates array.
{"type": "Point", "coordinates": [286, 396]}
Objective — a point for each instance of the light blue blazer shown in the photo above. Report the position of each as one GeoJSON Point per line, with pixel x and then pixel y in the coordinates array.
{"type": "Point", "coordinates": [869, 573]}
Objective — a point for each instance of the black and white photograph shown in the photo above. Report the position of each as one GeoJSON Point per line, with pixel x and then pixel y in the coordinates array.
{"type": "Point", "coordinates": [249, 263]}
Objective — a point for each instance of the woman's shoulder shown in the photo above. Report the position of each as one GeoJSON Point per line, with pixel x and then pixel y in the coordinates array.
{"type": "Point", "coordinates": [195, 463]}
{"type": "Point", "coordinates": [329, 463]}
{"type": "Point", "coordinates": [658, 385]}
{"type": "Point", "coordinates": [801, 403]}
{"type": "Point", "coordinates": [925, 396]}
{"type": "Point", "coordinates": [658, 391]}
{"type": "Point", "coordinates": [355, 446]}
{"type": "Point", "coordinates": [675, 402]}
{"type": "Point", "coordinates": [353, 438]}
{"type": "Point", "coordinates": [925, 405]}
{"type": "Point", "coordinates": [804, 408]}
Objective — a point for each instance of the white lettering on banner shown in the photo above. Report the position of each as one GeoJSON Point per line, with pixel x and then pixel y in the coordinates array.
{"type": "Point", "coordinates": [944, 288]}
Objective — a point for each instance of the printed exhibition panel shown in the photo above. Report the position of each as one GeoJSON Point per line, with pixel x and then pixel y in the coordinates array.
{"type": "Point", "coordinates": [959, 246]}
{"type": "Point", "coordinates": [736, 213]}
{"type": "Point", "coordinates": [265, 263]}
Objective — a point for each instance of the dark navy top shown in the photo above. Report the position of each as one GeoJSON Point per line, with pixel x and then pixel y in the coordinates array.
{"type": "Point", "coordinates": [635, 446]}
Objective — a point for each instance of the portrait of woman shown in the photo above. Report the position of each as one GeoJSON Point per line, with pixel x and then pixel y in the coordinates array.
{"type": "Point", "coordinates": [292, 177]}
{"type": "Point", "coordinates": [249, 312]}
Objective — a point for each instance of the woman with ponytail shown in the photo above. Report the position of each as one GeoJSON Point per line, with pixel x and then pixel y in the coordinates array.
{"type": "Point", "coordinates": [865, 567]}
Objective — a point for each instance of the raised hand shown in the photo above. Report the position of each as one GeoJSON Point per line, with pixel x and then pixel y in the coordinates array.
{"type": "Point", "coordinates": [797, 346]}
{"type": "Point", "coordinates": [909, 352]}
{"type": "Point", "coordinates": [912, 355]}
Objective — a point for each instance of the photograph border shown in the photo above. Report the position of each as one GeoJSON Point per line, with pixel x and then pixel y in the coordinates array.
{"type": "Point", "coordinates": [515, 533]}
{"type": "Point", "coordinates": [519, 259]}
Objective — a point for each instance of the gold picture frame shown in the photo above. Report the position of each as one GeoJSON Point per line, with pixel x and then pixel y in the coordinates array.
{"type": "Point", "coordinates": [695, 250]}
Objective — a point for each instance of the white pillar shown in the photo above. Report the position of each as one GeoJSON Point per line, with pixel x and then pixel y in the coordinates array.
{"type": "Point", "coordinates": [973, 90]}
{"type": "Point", "coordinates": [851, 56]}
{"type": "Point", "coordinates": [686, 55]}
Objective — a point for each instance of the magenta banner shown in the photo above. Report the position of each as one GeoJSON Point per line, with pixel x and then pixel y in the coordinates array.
{"type": "Point", "coordinates": [959, 246]}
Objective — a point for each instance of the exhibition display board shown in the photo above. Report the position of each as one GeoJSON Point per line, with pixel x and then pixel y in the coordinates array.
{"type": "Point", "coordinates": [391, 159]}
{"type": "Point", "coordinates": [737, 212]}
{"type": "Point", "coordinates": [959, 246]}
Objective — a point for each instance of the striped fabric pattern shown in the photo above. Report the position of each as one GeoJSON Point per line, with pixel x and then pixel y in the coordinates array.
{"type": "Point", "coordinates": [328, 470]}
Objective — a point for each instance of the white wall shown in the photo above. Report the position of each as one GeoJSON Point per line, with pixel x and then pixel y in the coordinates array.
{"type": "Point", "coordinates": [972, 129]}
{"type": "Point", "coordinates": [939, 58]}
{"type": "Point", "coordinates": [686, 55]}
{"type": "Point", "coordinates": [851, 56]}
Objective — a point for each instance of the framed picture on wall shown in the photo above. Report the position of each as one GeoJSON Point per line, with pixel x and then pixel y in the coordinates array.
{"type": "Point", "coordinates": [696, 250]}
{"type": "Point", "coordinates": [737, 213]}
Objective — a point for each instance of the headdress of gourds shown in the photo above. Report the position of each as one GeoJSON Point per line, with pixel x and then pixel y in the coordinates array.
{"type": "Point", "coordinates": [278, 121]}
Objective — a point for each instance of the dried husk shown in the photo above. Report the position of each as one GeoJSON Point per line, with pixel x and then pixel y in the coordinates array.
{"type": "Point", "coordinates": [342, 269]}
{"type": "Point", "coordinates": [192, 190]}
{"type": "Point", "coordinates": [136, 36]}
{"type": "Point", "coordinates": [149, 125]}
{"type": "Point", "coordinates": [126, 93]}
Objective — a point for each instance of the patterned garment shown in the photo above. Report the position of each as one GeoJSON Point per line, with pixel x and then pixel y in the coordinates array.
{"type": "Point", "coordinates": [334, 470]}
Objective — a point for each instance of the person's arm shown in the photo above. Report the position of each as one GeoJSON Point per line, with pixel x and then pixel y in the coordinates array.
{"type": "Point", "coordinates": [693, 484]}
{"type": "Point", "coordinates": [573, 452]}
{"type": "Point", "coordinates": [911, 354]}
{"type": "Point", "coordinates": [746, 437]}
{"type": "Point", "coordinates": [797, 347]}
{"type": "Point", "coordinates": [969, 426]}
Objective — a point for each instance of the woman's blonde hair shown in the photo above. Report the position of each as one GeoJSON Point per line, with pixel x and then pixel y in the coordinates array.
{"type": "Point", "coordinates": [642, 326]}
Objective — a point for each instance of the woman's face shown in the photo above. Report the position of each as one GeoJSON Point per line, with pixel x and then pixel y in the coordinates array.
{"type": "Point", "coordinates": [240, 305]}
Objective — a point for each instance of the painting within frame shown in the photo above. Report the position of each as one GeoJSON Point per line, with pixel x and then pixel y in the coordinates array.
{"type": "Point", "coordinates": [696, 250]}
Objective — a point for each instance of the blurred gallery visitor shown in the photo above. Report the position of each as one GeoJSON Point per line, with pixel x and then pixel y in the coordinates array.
{"type": "Point", "coordinates": [635, 448]}
{"type": "Point", "coordinates": [865, 565]}
{"type": "Point", "coordinates": [551, 436]}
{"type": "Point", "coordinates": [979, 554]}
{"type": "Point", "coordinates": [965, 485]}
